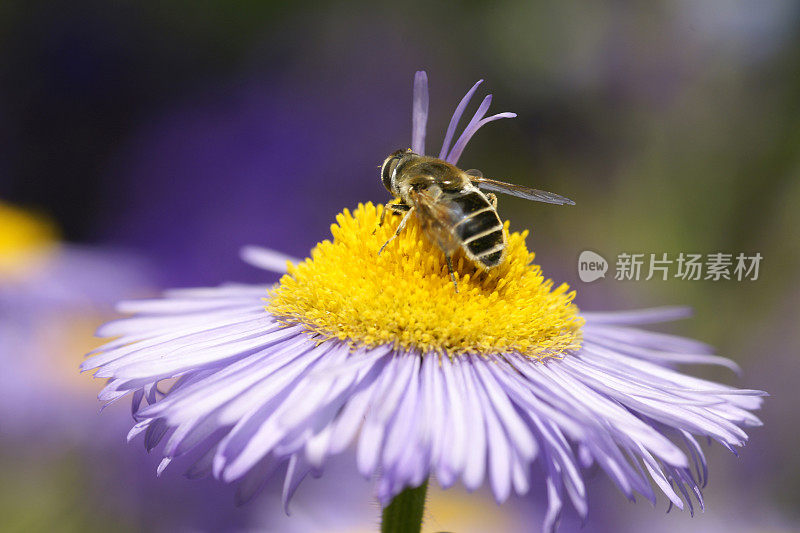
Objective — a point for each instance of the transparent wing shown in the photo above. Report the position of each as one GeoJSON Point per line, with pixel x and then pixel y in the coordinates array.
{"type": "Point", "coordinates": [520, 191]}
{"type": "Point", "coordinates": [437, 217]}
{"type": "Point", "coordinates": [475, 173]}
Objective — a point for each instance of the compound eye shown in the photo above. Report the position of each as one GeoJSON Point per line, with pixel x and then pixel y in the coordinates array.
{"type": "Point", "coordinates": [387, 169]}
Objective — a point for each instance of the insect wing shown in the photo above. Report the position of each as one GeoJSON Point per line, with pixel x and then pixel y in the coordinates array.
{"type": "Point", "coordinates": [521, 192]}
{"type": "Point", "coordinates": [437, 218]}
{"type": "Point", "coordinates": [431, 208]}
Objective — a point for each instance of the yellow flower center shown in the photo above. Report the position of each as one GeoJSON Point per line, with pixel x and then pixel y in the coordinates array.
{"type": "Point", "coordinates": [25, 241]}
{"type": "Point", "coordinates": [405, 297]}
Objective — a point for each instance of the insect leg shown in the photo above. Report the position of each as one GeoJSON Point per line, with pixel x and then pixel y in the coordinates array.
{"type": "Point", "coordinates": [452, 272]}
{"type": "Point", "coordinates": [395, 208]}
{"type": "Point", "coordinates": [399, 229]}
{"type": "Point", "coordinates": [492, 199]}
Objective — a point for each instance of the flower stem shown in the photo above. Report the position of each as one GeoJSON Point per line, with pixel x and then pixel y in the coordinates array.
{"type": "Point", "coordinates": [404, 512]}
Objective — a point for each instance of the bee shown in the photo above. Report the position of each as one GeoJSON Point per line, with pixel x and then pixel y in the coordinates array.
{"type": "Point", "coordinates": [450, 206]}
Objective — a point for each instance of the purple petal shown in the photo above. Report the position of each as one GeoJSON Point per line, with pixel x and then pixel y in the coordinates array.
{"type": "Point", "coordinates": [298, 470]}
{"type": "Point", "coordinates": [638, 317]}
{"type": "Point", "coordinates": [266, 259]}
{"type": "Point", "coordinates": [475, 467]}
{"type": "Point", "coordinates": [451, 128]}
{"type": "Point", "coordinates": [474, 125]}
{"type": "Point", "coordinates": [419, 116]}
{"type": "Point", "coordinates": [455, 153]}
{"type": "Point", "coordinates": [255, 481]}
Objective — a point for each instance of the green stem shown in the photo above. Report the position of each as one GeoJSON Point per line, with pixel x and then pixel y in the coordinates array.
{"type": "Point", "coordinates": [404, 512]}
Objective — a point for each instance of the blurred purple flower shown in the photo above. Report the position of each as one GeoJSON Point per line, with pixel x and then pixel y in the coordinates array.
{"type": "Point", "coordinates": [52, 296]}
{"type": "Point", "coordinates": [253, 390]}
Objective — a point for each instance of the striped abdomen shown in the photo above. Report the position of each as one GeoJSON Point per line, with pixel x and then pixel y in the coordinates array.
{"type": "Point", "coordinates": [479, 231]}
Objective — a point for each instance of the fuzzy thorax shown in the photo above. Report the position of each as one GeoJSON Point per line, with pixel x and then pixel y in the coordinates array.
{"type": "Point", "coordinates": [405, 297]}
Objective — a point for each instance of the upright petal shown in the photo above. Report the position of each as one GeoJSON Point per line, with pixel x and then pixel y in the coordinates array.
{"type": "Point", "coordinates": [419, 117]}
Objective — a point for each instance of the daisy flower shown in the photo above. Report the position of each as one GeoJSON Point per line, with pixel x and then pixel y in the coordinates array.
{"type": "Point", "coordinates": [379, 352]}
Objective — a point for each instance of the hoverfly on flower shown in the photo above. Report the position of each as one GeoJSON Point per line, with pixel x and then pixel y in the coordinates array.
{"type": "Point", "coordinates": [451, 208]}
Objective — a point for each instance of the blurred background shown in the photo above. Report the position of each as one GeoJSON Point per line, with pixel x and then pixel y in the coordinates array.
{"type": "Point", "coordinates": [143, 143]}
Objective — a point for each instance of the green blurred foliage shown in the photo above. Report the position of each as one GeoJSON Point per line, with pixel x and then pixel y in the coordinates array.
{"type": "Point", "coordinates": [49, 493]}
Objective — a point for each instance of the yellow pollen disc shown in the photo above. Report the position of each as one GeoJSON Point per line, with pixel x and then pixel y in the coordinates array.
{"type": "Point", "coordinates": [25, 241]}
{"type": "Point", "coordinates": [405, 297]}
